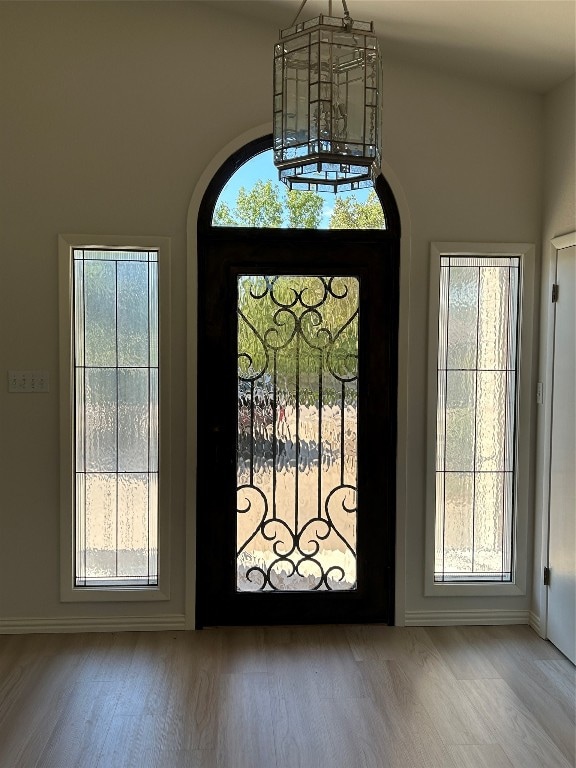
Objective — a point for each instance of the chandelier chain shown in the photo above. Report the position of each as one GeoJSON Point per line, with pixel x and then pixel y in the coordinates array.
{"type": "Point", "coordinates": [302, 4]}
{"type": "Point", "coordinates": [346, 11]}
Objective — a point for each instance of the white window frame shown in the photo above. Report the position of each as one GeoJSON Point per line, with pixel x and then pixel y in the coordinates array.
{"type": "Point", "coordinates": [68, 591]}
{"type": "Point", "coordinates": [524, 430]}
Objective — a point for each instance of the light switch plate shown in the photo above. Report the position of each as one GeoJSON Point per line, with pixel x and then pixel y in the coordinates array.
{"type": "Point", "coordinates": [28, 381]}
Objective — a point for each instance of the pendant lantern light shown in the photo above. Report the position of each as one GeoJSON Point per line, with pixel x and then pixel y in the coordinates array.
{"type": "Point", "coordinates": [327, 81]}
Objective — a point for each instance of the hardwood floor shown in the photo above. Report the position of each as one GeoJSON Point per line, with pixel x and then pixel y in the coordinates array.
{"type": "Point", "coordinates": [298, 697]}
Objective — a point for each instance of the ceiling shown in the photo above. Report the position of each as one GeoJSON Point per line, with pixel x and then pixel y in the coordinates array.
{"type": "Point", "coordinates": [528, 44]}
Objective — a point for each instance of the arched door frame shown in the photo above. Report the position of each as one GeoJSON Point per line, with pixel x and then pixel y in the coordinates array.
{"type": "Point", "coordinates": [192, 336]}
{"type": "Point", "coordinates": [262, 144]}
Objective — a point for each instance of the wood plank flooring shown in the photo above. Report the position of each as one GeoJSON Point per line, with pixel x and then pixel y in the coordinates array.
{"type": "Point", "coordinates": [287, 697]}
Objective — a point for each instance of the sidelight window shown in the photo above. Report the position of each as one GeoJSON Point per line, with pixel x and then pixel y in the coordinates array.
{"type": "Point", "coordinates": [116, 416]}
{"type": "Point", "coordinates": [480, 418]}
{"type": "Point", "coordinates": [476, 418]}
{"type": "Point", "coordinates": [114, 406]}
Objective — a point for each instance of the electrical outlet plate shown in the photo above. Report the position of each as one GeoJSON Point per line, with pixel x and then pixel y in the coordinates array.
{"type": "Point", "coordinates": [28, 381]}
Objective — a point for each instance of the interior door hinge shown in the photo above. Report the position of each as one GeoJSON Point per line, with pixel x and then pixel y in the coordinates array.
{"type": "Point", "coordinates": [546, 576]}
{"type": "Point", "coordinates": [555, 292]}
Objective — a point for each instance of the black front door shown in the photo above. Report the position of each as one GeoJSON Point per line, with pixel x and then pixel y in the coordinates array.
{"type": "Point", "coordinates": [297, 381]}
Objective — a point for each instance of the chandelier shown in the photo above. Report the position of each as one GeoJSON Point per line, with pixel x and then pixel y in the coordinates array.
{"type": "Point", "coordinates": [327, 80]}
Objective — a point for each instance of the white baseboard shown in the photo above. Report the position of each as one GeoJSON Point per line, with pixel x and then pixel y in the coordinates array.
{"type": "Point", "coordinates": [23, 626]}
{"type": "Point", "coordinates": [463, 618]}
{"type": "Point", "coordinates": [536, 624]}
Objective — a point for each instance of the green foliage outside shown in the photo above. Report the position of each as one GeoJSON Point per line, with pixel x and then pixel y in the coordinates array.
{"type": "Point", "coordinates": [351, 214]}
{"type": "Point", "coordinates": [277, 319]}
{"type": "Point", "coordinates": [304, 209]}
{"type": "Point", "coordinates": [279, 329]}
{"type": "Point", "coordinates": [267, 205]}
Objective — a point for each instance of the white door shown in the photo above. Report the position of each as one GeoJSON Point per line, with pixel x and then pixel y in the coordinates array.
{"type": "Point", "coordinates": [562, 537]}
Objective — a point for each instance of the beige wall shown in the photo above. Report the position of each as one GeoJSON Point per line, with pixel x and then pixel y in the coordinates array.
{"type": "Point", "coordinates": [560, 161]}
{"type": "Point", "coordinates": [109, 117]}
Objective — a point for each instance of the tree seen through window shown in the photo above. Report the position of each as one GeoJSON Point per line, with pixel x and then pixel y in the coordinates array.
{"type": "Point", "coordinates": [254, 198]}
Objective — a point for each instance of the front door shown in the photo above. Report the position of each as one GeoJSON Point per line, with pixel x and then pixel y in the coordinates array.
{"type": "Point", "coordinates": [297, 426]}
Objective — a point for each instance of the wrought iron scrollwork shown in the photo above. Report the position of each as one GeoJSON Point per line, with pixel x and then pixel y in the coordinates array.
{"type": "Point", "coordinates": [297, 424]}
